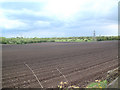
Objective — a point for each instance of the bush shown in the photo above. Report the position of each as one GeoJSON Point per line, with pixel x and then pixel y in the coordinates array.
{"type": "Point", "coordinates": [21, 40]}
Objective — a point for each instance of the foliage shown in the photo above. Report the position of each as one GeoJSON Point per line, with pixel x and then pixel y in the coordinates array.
{"type": "Point", "coordinates": [98, 84]}
{"type": "Point", "coordinates": [21, 40]}
{"type": "Point", "coordinates": [105, 38]}
{"type": "Point", "coordinates": [65, 86]}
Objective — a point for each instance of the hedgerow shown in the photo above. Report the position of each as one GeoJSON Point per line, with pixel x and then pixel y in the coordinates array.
{"type": "Point", "coordinates": [21, 40]}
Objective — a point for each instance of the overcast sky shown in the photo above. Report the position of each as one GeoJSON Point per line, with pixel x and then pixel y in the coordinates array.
{"type": "Point", "coordinates": [58, 18]}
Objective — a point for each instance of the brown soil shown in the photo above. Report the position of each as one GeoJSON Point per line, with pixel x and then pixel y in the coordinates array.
{"type": "Point", "coordinates": [81, 63]}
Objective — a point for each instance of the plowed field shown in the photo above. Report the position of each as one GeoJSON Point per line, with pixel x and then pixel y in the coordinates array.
{"type": "Point", "coordinates": [80, 63]}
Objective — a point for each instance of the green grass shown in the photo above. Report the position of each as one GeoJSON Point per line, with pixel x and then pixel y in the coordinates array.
{"type": "Point", "coordinates": [101, 84]}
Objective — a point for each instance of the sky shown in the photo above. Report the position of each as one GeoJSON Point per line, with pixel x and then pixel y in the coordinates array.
{"type": "Point", "coordinates": [58, 18]}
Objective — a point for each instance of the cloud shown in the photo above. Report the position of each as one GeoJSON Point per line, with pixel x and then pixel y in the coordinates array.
{"type": "Point", "coordinates": [23, 0]}
{"type": "Point", "coordinates": [11, 24]}
{"type": "Point", "coordinates": [6, 23]}
{"type": "Point", "coordinates": [61, 17]}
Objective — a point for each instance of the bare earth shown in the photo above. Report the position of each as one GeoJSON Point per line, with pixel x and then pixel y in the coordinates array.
{"type": "Point", "coordinates": [81, 63]}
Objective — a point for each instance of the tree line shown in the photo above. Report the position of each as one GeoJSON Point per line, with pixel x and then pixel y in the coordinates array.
{"type": "Point", "coordinates": [21, 40]}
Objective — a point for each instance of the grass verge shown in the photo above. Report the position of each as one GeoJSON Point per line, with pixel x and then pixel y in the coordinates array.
{"type": "Point", "coordinates": [98, 84]}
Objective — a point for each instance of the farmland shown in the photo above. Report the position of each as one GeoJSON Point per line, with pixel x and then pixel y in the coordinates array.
{"type": "Point", "coordinates": [79, 62]}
